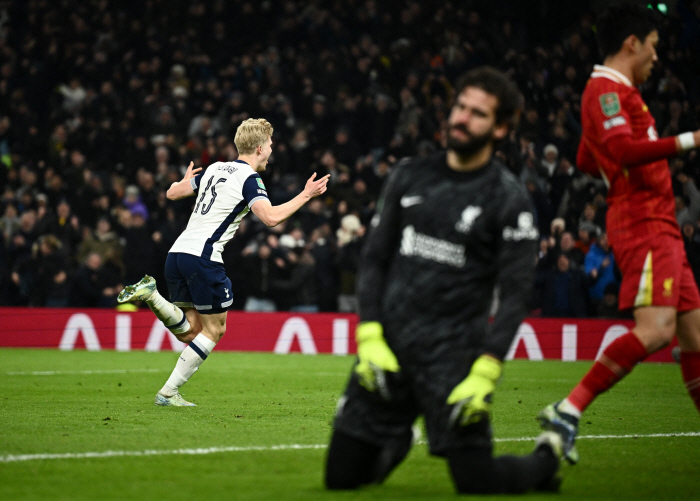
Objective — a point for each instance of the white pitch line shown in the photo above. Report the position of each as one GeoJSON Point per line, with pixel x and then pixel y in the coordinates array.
{"type": "Point", "coordinates": [60, 373]}
{"type": "Point", "coordinates": [579, 437]}
{"type": "Point", "coordinates": [12, 458]}
{"type": "Point", "coordinates": [15, 458]}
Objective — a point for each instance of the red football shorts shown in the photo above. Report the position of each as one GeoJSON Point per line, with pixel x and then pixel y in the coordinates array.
{"type": "Point", "coordinates": [656, 273]}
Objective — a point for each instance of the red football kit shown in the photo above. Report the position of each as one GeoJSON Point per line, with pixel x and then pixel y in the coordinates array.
{"type": "Point", "coordinates": [620, 143]}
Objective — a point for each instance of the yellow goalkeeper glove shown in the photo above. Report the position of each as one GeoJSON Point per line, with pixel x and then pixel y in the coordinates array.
{"type": "Point", "coordinates": [375, 358]}
{"type": "Point", "coordinates": [472, 397]}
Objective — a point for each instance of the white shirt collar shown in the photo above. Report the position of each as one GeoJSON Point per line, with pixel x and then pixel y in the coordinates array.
{"type": "Point", "coordinates": [600, 71]}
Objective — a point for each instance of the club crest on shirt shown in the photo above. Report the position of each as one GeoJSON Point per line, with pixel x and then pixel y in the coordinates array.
{"type": "Point", "coordinates": [468, 216]}
{"type": "Point", "coordinates": [610, 104]}
{"type": "Point", "coordinates": [668, 287]}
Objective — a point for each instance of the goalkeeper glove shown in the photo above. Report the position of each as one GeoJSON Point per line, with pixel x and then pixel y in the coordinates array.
{"type": "Point", "coordinates": [375, 358]}
{"type": "Point", "coordinates": [472, 397]}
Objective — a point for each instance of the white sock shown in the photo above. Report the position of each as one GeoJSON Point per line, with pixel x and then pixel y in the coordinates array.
{"type": "Point", "coordinates": [190, 359]}
{"type": "Point", "coordinates": [171, 316]}
{"type": "Point", "coordinates": [567, 407]}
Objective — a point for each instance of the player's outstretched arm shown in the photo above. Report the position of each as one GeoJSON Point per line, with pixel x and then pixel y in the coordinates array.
{"type": "Point", "coordinates": [183, 188]}
{"type": "Point", "coordinates": [272, 215]}
{"type": "Point", "coordinates": [631, 152]}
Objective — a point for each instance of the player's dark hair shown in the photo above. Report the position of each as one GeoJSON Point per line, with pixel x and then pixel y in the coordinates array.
{"type": "Point", "coordinates": [620, 20]}
{"type": "Point", "coordinates": [497, 84]}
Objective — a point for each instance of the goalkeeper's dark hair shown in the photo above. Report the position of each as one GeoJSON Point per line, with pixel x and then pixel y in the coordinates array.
{"type": "Point", "coordinates": [620, 20]}
{"type": "Point", "coordinates": [497, 84]}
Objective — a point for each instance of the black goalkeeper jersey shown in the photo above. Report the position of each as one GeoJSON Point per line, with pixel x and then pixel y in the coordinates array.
{"type": "Point", "coordinates": [440, 243]}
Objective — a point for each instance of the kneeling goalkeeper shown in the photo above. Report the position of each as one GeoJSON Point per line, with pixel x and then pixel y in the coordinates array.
{"type": "Point", "coordinates": [449, 230]}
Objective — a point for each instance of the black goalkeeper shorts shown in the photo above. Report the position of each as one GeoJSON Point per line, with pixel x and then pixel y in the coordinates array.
{"type": "Point", "coordinates": [420, 389]}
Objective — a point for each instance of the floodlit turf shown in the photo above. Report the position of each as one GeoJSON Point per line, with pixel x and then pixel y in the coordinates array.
{"type": "Point", "coordinates": [253, 408]}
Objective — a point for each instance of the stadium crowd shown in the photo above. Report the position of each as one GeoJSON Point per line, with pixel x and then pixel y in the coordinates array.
{"type": "Point", "coordinates": [103, 103]}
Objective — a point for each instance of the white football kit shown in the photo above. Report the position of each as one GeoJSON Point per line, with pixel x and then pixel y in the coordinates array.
{"type": "Point", "coordinates": [225, 192]}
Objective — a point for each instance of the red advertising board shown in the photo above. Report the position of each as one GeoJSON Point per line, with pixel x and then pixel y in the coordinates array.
{"type": "Point", "coordinates": [284, 332]}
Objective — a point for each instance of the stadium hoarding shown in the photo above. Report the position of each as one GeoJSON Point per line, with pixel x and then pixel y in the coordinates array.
{"type": "Point", "coordinates": [282, 332]}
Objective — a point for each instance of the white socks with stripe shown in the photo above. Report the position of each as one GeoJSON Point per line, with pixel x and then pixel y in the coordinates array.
{"type": "Point", "coordinates": [171, 316]}
{"type": "Point", "coordinates": [190, 359]}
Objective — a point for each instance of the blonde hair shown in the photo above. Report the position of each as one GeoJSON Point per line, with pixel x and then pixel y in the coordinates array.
{"type": "Point", "coordinates": [251, 134]}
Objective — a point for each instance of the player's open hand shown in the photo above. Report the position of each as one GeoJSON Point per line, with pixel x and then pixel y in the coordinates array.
{"type": "Point", "coordinates": [317, 187]}
{"type": "Point", "coordinates": [191, 172]}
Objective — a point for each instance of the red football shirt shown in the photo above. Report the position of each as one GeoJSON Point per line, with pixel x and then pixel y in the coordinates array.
{"type": "Point", "coordinates": [640, 196]}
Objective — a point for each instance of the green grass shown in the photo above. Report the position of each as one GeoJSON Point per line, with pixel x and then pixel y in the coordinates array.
{"type": "Point", "coordinates": [262, 400]}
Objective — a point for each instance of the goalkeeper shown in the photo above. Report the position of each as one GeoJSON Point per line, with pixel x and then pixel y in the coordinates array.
{"type": "Point", "coordinates": [449, 230]}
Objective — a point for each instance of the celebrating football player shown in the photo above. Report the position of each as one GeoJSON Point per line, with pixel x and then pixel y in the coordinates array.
{"type": "Point", "coordinates": [200, 291]}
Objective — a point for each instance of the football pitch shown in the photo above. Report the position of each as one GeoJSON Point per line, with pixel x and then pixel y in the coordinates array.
{"type": "Point", "coordinates": [82, 425]}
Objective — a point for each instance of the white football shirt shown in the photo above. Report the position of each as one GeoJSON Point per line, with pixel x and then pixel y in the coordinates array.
{"type": "Point", "coordinates": [224, 194]}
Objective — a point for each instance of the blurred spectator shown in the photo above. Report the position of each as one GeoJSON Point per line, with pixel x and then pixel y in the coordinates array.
{"type": "Point", "coordinates": [323, 122]}
{"type": "Point", "coordinates": [557, 227]}
{"type": "Point", "coordinates": [567, 245]}
{"type": "Point", "coordinates": [73, 95]}
{"type": "Point", "coordinates": [148, 191]}
{"type": "Point", "coordinates": [51, 284]}
{"type": "Point", "coordinates": [359, 199]}
{"type": "Point", "coordinates": [66, 226]}
{"type": "Point", "coordinates": [587, 235]}
{"type": "Point", "coordinates": [206, 124]}
{"type": "Point", "coordinates": [132, 202]}
{"type": "Point", "coordinates": [532, 170]}
{"type": "Point", "coordinates": [138, 154]}
{"type": "Point", "coordinates": [345, 148]}
{"type": "Point", "coordinates": [543, 209]}
{"type": "Point", "coordinates": [104, 241]}
{"type": "Point", "coordinates": [55, 187]}
{"type": "Point", "coordinates": [44, 214]}
{"type": "Point", "coordinates": [687, 213]}
{"type": "Point", "coordinates": [261, 269]}
{"type": "Point", "coordinates": [551, 159]}
{"type": "Point", "coordinates": [311, 216]}
{"type": "Point", "coordinates": [94, 285]}
{"type": "Point", "coordinates": [349, 238]}
{"type": "Point", "coordinates": [600, 268]}
{"type": "Point", "coordinates": [563, 290]}
{"type": "Point", "coordinates": [19, 249]}
{"type": "Point", "coordinates": [559, 183]}
{"type": "Point", "coordinates": [323, 252]}
{"type": "Point", "coordinates": [590, 215]}
{"type": "Point", "coordinates": [296, 290]}
{"type": "Point", "coordinates": [608, 306]}
{"type": "Point", "coordinates": [329, 164]}
{"type": "Point", "coordinates": [139, 248]}
{"type": "Point", "coordinates": [42, 280]}
{"type": "Point", "coordinates": [9, 222]}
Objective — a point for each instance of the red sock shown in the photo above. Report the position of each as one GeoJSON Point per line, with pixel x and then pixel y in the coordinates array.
{"type": "Point", "coordinates": [690, 368]}
{"type": "Point", "coordinates": [616, 362]}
